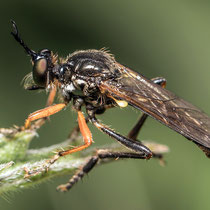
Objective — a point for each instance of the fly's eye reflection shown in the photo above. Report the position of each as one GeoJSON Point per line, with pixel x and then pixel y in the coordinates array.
{"type": "Point", "coordinates": [40, 71]}
{"type": "Point", "coordinates": [41, 66]}
{"type": "Point", "coordinates": [108, 84]}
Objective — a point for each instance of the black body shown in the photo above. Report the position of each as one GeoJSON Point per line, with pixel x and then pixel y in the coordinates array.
{"type": "Point", "coordinates": [94, 79]}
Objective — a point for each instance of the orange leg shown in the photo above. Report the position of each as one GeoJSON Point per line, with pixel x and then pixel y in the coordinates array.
{"type": "Point", "coordinates": [51, 96]}
{"type": "Point", "coordinates": [50, 100]}
{"type": "Point", "coordinates": [42, 113]}
{"type": "Point", "coordinates": [87, 136]}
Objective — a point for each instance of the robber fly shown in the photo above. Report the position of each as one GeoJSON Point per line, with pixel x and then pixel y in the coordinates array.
{"type": "Point", "coordinates": [94, 79]}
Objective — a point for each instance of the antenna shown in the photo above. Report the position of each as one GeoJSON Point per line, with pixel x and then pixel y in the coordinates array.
{"type": "Point", "coordinates": [16, 35]}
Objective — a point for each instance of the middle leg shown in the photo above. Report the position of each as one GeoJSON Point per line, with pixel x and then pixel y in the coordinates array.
{"type": "Point", "coordinates": [129, 143]}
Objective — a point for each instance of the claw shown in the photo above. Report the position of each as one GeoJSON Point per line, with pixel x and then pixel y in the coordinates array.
{"type": "Point", "coordinates": [62, 188]}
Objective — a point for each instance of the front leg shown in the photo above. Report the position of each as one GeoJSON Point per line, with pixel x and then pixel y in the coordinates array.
{"type": "Point", "coordinates": [43, 113]}
{"type": "Point", "coordinates": [87, 137]}
{"type": "Point", "coordinates": [50, 101]}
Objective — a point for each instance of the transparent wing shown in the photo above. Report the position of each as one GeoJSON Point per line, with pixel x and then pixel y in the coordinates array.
{"type": "Point", "coordinates": [160, 104]}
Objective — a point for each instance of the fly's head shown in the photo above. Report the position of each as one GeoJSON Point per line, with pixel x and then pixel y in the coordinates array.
{"type": "Point", "coordinates": [44, 61]}
{"type": "Point", "coordinates": [43, 65]}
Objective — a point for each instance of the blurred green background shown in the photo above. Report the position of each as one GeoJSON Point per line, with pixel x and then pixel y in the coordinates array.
{"type": "Point", "coordinates": [157, 38]}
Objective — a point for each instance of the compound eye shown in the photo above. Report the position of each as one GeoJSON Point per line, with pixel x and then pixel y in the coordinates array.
{"type": "Point", "coordinates": [40, 72]}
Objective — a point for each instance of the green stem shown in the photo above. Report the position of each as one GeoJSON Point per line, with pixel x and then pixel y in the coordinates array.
{"type": "Point", "coordinates": [16, 159]}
